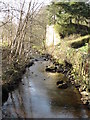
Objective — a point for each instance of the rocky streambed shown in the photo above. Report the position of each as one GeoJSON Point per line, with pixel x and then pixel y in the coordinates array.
{"type": "Point", "coordinates": [66, 69]}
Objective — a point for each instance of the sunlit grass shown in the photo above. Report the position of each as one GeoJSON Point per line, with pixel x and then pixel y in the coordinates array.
{"type": "Point", "coordinates": [4, 44]}
{"type": "Point", "coordinates": [84, 49]}
{"type": "Point", "coordinates": [79, 39]}
{"type": "Point", "coordinates": [64, 51]}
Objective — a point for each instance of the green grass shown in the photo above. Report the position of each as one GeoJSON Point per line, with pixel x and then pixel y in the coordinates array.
{"type": "Point", "coordinates": [64, 51]}
{"type": "Point", "coordinates": [79, 39]}
{"type": "Point", "coordinates": [84, 49]}
{"type": "Point", "coordinates": [4, 44]}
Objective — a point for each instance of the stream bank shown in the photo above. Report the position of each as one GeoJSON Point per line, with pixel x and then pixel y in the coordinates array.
{"type": "Point", "coordinates": [74, 50]}
{"type": "Point", "coordinates": [14, 80]}
{"type": "Point", "coordinates": [67, 69]}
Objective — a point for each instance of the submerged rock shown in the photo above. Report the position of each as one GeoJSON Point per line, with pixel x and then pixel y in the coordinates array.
{"type": "Point", "coordinates": [60, 70]}
{"type": "Point", "coordinates": [59, 82]}
{"type": "Point", "coordinates": [30, 63]}
{"type": "Point", "coordinates": [51, 69]}
{"type": "Point", "coordinates": [62, 86]}
{"type": "Point", "coordinates": [36, 60]}
{"type": "Point", "coordinates": [65, 71]}
{"type": "Point", "coordinates": [45, 59]}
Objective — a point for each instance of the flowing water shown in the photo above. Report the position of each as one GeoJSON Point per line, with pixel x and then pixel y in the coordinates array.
{"type": "Point", "coordinates": [38, 97]}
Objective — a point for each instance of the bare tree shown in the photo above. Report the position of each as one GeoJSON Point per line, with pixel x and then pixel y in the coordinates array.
{"type": "Point", "coordinates": [25, 19]}
{"type": "Point", "coordinates": [17, 46]}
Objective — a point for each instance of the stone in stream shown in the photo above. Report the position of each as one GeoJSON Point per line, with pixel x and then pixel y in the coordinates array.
{"type": "Point", "coordinates": [36, 59]}
{"type": "Point", "coordinates": [23, 70]}
{"type": "Point", "coordinates": [29, 64]}
{"type": "Point", "coordinates": [77, 85]}
{"type": "Point", "coordinates": [60, 70]}
{"type": "Point", "coordinates": [84, 93]}
{"type": "Point", "coordinates": [59, 82]}
{"type": "Point", "coordinates": [22, 83]}
{"type": "Point", "coordinates": [85, 100]}
{"type": "Point", "coordinates": [51, 69]}
{"type": "Point", "coordinates": [62, 86]}
{"type": "Point", "coordinates": [45, 59]}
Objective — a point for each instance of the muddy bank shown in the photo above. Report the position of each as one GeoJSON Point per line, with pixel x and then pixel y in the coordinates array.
{"type": "Point", "coordinates": [14, 81]}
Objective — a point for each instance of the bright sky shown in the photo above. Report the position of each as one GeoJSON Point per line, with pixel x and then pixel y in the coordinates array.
{"type": "Point", "coordinates": [45, 1]}
{"type": "Point", "coordinates": [16, 4]}
{"type": "Point", "coordinates": [11, 1]}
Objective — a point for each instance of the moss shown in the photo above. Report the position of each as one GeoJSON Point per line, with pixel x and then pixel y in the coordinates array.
{"type": "Point", "coordinates": [84, 49]}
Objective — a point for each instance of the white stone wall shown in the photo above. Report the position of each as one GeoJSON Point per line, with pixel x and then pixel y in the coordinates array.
{"type": "Point", "coordinates": [52, 38]}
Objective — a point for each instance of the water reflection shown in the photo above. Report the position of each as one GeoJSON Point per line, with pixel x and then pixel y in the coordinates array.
{"type": "Point", "coordinates": [38, 97]}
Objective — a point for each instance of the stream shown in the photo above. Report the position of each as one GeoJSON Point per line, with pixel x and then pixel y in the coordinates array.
{"type": "Point", "coordinates": [38, 96]}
